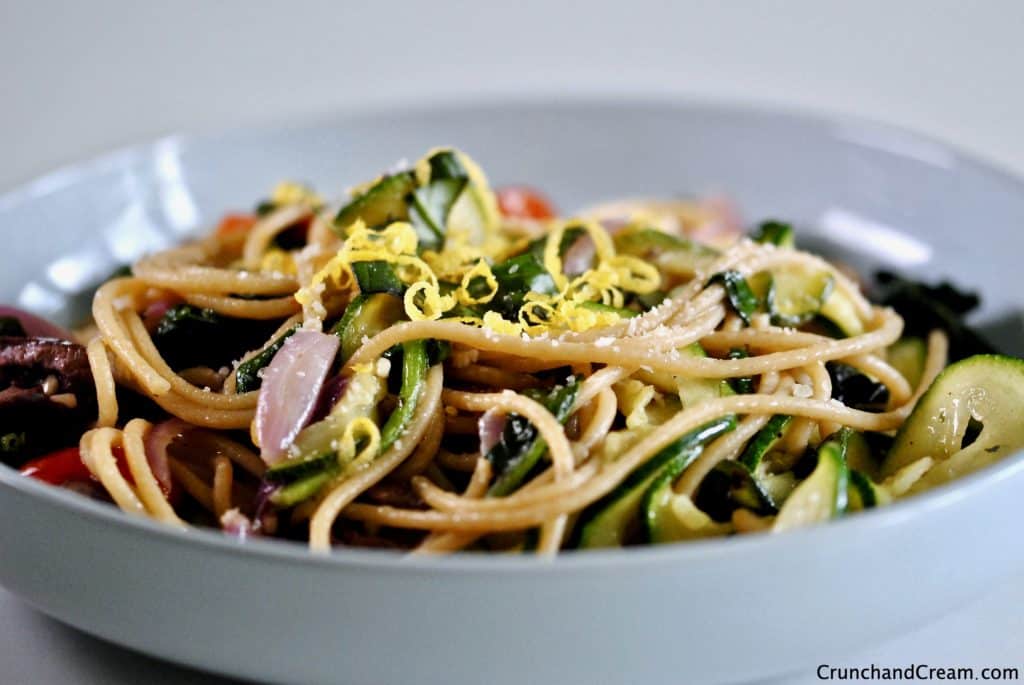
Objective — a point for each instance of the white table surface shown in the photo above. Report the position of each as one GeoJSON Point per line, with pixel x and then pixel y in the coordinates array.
{"type": "Point", "coordinates": [80, 78]}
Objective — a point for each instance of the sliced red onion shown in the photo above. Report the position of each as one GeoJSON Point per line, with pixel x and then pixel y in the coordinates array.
{"type": "Point", "coordinates": [36, 326]}
{"type": "Point", "coordinates": [329, 396]}
{"type": "Point", "coordinates": [490, 426]}
{"type": "Point", "coordinates": [157, 443]}
{"type": "Point", "coordinates": [579, 257]}
{"type": "Point", "coordinates": [291, 387]}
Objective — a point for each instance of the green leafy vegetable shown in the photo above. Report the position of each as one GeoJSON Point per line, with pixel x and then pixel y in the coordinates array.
{"type": "Point", "coordinates": [516, 277]}
{"type": "Point", "coordinates": [247, 376]}
{"type": "Point", "coordinates": [520, 448]}
{"type": "Point", "coordinates": [926, 307]}
{"type": "Point", "coordinates": [189, 336]}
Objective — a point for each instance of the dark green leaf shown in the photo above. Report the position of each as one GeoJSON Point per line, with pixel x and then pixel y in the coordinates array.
{"type": "Point", "coordinates": [520, 448]}
{"type": "Point", "coordinates": [926, 307]}
{"type": "Point", "coordinates": [516, 277]}
{"type": "Point", "coordinates": [247, 376]}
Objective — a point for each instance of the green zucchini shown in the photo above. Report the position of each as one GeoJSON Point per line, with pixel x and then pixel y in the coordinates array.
{"type": "Point", "coordinates": [741, 295]}
{"type": "Point", "coordinates": [860, 456]}
{"type": "Point", "coordinates": [300, 490]}
{"type": "Point", "coordinates": [670, 517]}
{"type": "Point", "coordinates": [362, 394]}
{"type": "Point", "coordinates": [366, 316]}
{"type": "Point", "coordinates": [986, 389]}
{"type": "Point", "coordinates": [247, 375]}
{"type": "Point", "coordinates": [795, 295]}
{"type": "Point", "coordinates": [775, 233]}
{"type": "Point", "coordinates": [377, 277]}
{"type": "Point", "coordinates": [863, 493]}
{"type": "Point", "coordinates": [615, 518]}
{"type": "Point", "coordinates": [741, 385]}
{"type": "Point", "coordinates": [691, 391]}
{"type": "Point", "coordinates": [378, 206]}
{"type": "Point", "coordinates": [823, 494]}
{"type": "Point", "coordinates": [299, 468]}
{"type": "Point", "coordinates": [907, 355]}
{"type": "Point", "coordinates": [839, 310]}
{"type": "Point", "coordinates": [672, 255]}
{"type": "Point", "coordinates": [728, 487]}
{"type": "Point", "coordinates": [414, 377]}
{"type": "Point", "coordinates": [764, 441]}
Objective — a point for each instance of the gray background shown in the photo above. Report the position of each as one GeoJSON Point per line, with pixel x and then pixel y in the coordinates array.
{"type": "Point", "coordinates": [80, 78]}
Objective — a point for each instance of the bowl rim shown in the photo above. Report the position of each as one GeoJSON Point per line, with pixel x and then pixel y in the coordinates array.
{"type": "Point", "coordinates": [898, 513]}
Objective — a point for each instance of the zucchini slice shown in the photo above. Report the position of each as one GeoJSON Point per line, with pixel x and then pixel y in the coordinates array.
{"type": "Point", "coordinates": [293, 493]}
{"type": "Point", "coordinates": [669, 517]}
{"type": "Point", "coordinates": [672, 255]}
{"type": "Point", "coordinates": [299, 468]}
{"type": "Point", "coordinates": [377, 277]}
{"type": "Point", "coordinates": [764, 441]}
{"type": "Point", "coordinates": [728, 487]}
{"type": "Point", "coordinates": [796, 295]}
{"type": "Point", "coordinates": [860, 456]}
{"type": "Point", "coordinates": [366, 315]}
{"type": "Point", "coordinates": [615, 518]}
{"type": "Point", "coordinates": [823, 494]}
{"type": "Point", "coordinates": [986, 389]}
{"type": "Point", "coordinates": [691, 391]}
{"type": "Point", "coordinates": [840, 312]}
{"type": "Point", "coordinates": [381, 204]}
{"type": "Point", "coordinates": [907, 355]}
{"type": "Point", "coordinates": [775, 233]}
{"type": "Point", "coordinates": [864, 493]}
{"type": "Point", "coordinates": [414, 376]}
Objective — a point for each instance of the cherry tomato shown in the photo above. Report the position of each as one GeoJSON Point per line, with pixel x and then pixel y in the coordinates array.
{"type": "Point", "coordinates": [58, 468]}
{"type": "Point", "coordinates": [520, 202]}
{"type": "Point", "coordinates": [235, 223]}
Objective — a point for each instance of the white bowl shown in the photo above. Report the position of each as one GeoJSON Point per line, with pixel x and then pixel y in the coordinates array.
{"type": "Point", "coordinates": [717, 611]}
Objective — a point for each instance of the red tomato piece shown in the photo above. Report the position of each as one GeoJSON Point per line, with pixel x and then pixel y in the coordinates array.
{"type": "Point", "coordinates": [520, 202]}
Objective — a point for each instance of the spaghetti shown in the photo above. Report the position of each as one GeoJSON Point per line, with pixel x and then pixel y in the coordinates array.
{"type": "Point", "coordinates": [411, 371]}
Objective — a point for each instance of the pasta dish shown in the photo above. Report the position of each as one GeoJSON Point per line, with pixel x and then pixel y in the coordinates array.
{"type": "Point", "coordinates": [433, 366]}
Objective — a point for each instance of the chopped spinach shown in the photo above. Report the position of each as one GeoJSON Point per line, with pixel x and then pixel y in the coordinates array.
{"type": "Point", "coordinates": [247, 376]}
{"type": "Point", "coordinates": [189, 336]}
{"type": "Point", "coordinates": [927, 307]}
{"type": "Point", "coordinates": [520, 447]}
{"type": "Point", "coordinates": [516, 277]}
